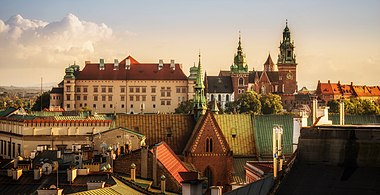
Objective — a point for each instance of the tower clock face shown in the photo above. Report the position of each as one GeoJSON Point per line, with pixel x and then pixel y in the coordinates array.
{"type": "Point", "coordinates": [289, 76]}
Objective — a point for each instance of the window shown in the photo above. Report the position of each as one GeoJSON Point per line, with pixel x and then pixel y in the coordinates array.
{"type": "Point", "coordinates": [68, 97]}
{"type": "Point", "coordinates": [208, 144]}
{"type": "Point", "coordinates": [131, 98]}
{"type": "Point", "coordinates": [85, 89]}
{"type": "Point", "coordinates": [131, 105]}
{"type": "Point", "coordinates": [85, 104]}
{"type": "Point", "coordinates": [168, 132]}
{"type": "Point", "coordinates": [85, 97]}
{"type": "Point", "coordinates": [168, 93]}
{"type": "Point", "coordinates": [95, 89]}
{"type": "Point", "coordinates": [131, 89]}
{"type": "Point", "coordinates": [137, 98]}
{"type": "Point", "coordinates": [109, 89]}
{"type": "Point", "coordinates": [122, 106]}
{"type": "Point", "coordinates": [111, 105]}
{"type": "Point", "coordinates": [162, 102]}
{"type": "Point", "coordinates": [143, 98]}
{"type": "Point", "coordinates": [67, 88]}
{"type": "Point", "coordinates": [110, 98]}
{"type": "Point", "coordinates": [137, 89]}
{"type": "Point", "coordinates": [103, 98]}
{"type": "Point", "coordinates": [241, 81]}
{"type": "Point", "coordinates": [122, 98]}
{"type": "Point", "coordinates": [227, 98]}
{"type": "Point", "coordinates": [103, 89]}
{"type": "Point", "coordinates": [208, 174]}
{"type": "Point", "coordinates": [168, 102]}
{"type": "Point", "coordinates": [289, 54]}
{"type": "Point", "coordinates": [78, 97]}
{"type": "Point", "coordinates": [219, 98]}
{"type": "Point", "coordinates": [80, 105]}
{"type": "Point", "coordinates": [104, 106]}
{"type": "Point", "coordinates": [94, 105]}
{"type": "Point", "coordinates": [184, 90]}
{"type": "Point", "coordinates": [178, 90]}
{"type": "Point", "coordinates": [153, 89]}
{"type": "Point", "coordinates": [95, 98]}
{"type": "Point", "coordinates": [154, 105]}
{"type": "Point", "coordinates": [68, 105]}
{"type": "Point", "coordinates": [143, 89]}
{"type": "Point", "coordinates": [167, 88]}
{"type": "Point", "coordinates": [122, 89]}
{"type": "Point", "coordinates": [77, 89]}
{"type": "Point", "coordinates": [153, 98]}
{"type": "Point", "coordinates": [212, 97]}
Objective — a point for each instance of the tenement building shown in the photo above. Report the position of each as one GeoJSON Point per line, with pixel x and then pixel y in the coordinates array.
{"type": "Point", "coordinates": [127, 86]}
{"type": "Point", "coordinates": [280, 78]}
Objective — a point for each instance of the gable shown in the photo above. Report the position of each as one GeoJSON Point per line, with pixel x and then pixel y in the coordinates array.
{"type": "Point", "coordinates": [207, 128]}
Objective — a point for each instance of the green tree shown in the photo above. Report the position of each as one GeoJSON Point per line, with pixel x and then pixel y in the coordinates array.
{"type": "Point", "coordinates": [360, 106]}
{"type": "Point", "coordinates": [271, 104]}
{"type": "Point", "coordinates": [185, 107]}
{"type": "Point", "coordinates": [249, 102]}
{"type": "Point", "coordinates": [45, 101]}
{"type": "Point", "coordinates": [334, 106]}
{"type": "Point", "coordinates": [231, 107]}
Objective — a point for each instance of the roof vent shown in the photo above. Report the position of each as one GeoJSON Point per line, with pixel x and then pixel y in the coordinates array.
{"type": "Point", "coordinates": [172, 64]}
{"type": "Point", "coordinates": [160, 64]}
{"type": "Point", "coordinates": [127, 64]}
{"type": "Point", "coordinates": [101, 64]}
{"type": "Point", "coordinates": [116, 64]}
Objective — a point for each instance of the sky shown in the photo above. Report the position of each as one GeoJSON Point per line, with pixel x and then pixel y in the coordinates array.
{"type": "Point", "coordinates": [335, 40]}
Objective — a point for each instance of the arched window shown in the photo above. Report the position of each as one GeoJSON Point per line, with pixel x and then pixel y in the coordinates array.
{"type": "Point", "coordinates": [212, 97]}
{"type": "Point", "coordinates": [241, 81]}
{"type": "Point", "coordinates": [227, 98]}
{"type": "Point", "coordinates": [219, 98]}
{"type": "Point", "coordinates": [210, 145]}
{"type": "Point", "coordinates": [207, 144]}
{"type": "Point", "coordinates": [208, 174]}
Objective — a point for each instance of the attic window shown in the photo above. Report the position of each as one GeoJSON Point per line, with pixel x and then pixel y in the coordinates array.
{"type": "Point", "coordinates": [233, 132]}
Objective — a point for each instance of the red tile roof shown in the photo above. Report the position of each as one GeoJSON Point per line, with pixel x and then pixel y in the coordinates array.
{"type": "Point", "coordinates": [346, 90]}
{"type": "Point", "coordinates": [170, 161]}
{"type": "Point", "coordinates": [137, 71]}
{"type": "Point", "coordinates": [328, 88]}
{"type": "Point", "coordinates": [367, 90]}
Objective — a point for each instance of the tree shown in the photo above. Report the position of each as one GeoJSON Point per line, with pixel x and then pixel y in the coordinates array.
{"type": "Point", "coordinates": [231, 107]}
{"type": "Point", "coordinates": [360, 106]}
{"type": "Point", "coordinates": [271, 104]}
{"type": "Point", "coordinates": [334, 106]}
{"type": "Point", "coordinates": [185, 107]}
{"type": "Point", "coordinates": [249, 102]}
{"type": "Point", "coordinates": [45, 101]}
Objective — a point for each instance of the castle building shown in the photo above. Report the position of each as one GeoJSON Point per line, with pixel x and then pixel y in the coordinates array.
{"type": "Point", "coordinates": [280, 78]}
{"type": "Point", "coordinates": [127, 86]}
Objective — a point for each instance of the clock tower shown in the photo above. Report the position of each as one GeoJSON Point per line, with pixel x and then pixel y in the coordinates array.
{"type": "Point", "coordinates": [286, 63]}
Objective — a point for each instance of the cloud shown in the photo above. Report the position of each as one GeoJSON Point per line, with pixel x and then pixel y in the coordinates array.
{"type": "Point", "coordinates": [29, 44]}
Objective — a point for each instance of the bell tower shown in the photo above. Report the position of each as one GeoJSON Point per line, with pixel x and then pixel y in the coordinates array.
{"type": "Point", "coordinates": [286, 63]}
{"type": "Point", "coordinates": [239, 72]}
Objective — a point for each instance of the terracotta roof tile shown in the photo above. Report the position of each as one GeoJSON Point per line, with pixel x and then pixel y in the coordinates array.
{"type": "Point", "coordinates": [137, 71]}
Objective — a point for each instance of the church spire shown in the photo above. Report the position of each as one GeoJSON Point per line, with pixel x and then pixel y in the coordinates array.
{"type": "Point", "coordinates": [286, 55]}
{"type": "Point", "coordinates": [200, 105]}
{"type": "Point", "coordinates": [240, 62]}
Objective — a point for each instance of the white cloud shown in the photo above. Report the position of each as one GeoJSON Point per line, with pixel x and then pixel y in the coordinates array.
{"type": "Point", "coordinates": [47, 47]}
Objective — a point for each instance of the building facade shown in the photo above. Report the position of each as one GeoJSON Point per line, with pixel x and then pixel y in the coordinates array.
{"type": "Point", "coordinates": [125, 87]}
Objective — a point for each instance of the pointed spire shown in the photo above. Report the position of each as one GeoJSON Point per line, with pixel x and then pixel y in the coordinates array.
{"type": "Point", "coordinates": [215, 108]}
{"type": "Point", "coordinates": [200, 106]}
{"type": "Point", "coordinates": [199, 82]}
{"type": "Point", "coordinates": [239, 45]}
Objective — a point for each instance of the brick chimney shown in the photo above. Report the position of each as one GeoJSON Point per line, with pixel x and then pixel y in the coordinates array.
{"type": "Point", "coordinates": [144, 162]}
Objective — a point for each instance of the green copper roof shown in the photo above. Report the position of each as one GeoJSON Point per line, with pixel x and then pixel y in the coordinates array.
{"type": "Point", "coordinates": [200, 105]}
{"type": "Point", "coordinates": [263, 125]}
{"type": "Point", "coordinates": [239, 133]}
{"type": "Point", "coordinates": [240, 61]}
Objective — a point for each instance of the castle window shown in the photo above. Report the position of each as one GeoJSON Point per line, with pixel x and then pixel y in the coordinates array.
{"type": "Point", "coordinates": [209, 145]}
{"type": "Point", "coordinates": [289, 54]}
{"type": "Point", "coordinates": [219, 98]}
{"type": "Point", "coordinates": [241, 81]}
{"type": "Point", "coordinates": [227, 98]}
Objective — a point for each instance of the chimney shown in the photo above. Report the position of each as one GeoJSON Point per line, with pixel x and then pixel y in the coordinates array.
{"type": "Point", "coordinates": [341, 113]}
{"type": "Point", "coordinates": [127, 64]}
{"type": "Point", "coordinates": [133, 172]}
{"type": "Point", "coordinates": [314, 109]}
{"type": "Point", "coordinates": [71, 174]}
{"type": "Point", "coordinates": [155, 166]}
{"type": "Point", "coordinates": [87, 62]}
{"type": "Point", "coordinates": [16, 174]}
{"type": "Point", "coordinates": [172, 64]}
{"type": "Point", "coordinates": [163, 185]}
{"type": "Point", "coordinates": [216, 190]}
{"type": "Point", "coordinates": [37, 173]}
{"type": "Point", "coordinates": [328, 81]}
{"type": "Point", "coordinates": [144, 162]}
{"type": "Point", "coordinates": [101, 64]}
{"type": "Point", "coordinates": [160, 64]}
{"type": "Point", "coordinates": [116, 64]}
{"type": "Point", "coordinates": [92, 185]}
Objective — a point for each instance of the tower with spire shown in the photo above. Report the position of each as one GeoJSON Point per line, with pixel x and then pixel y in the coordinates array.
{"type": "Point", "coordinates": [239, 72]}
{"type": "Point", "coordinates": [200, 105]}
{"type": "Point", "coordinates": [286, 63]}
